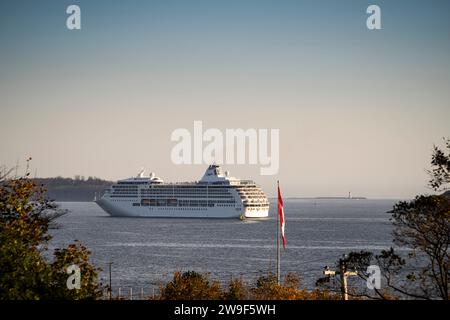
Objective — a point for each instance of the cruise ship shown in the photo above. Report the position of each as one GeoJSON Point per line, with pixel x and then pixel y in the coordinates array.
{"type": "Point", "coordinates": [216, 195]}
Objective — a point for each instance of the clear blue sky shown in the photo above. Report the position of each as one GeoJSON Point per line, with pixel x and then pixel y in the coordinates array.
{"type": "Point", "coordinates": [357, 110]}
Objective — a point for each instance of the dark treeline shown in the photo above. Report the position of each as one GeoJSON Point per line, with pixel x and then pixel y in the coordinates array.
{"type": "Point", "coordinates": [77, 189]}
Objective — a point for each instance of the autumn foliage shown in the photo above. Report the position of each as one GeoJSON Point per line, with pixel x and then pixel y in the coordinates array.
{"type": "Point", "coordinates": [26, 273]}
{"type": "Point", "coordinates": [191, 285]}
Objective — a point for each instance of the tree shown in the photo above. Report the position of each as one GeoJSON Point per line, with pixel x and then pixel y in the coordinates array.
{"type": "Point", "coordinates": [423, 226]}
{"type": "Point", "coordinates": [191, 285]}
{"type": "Point", "coordinates": [25, 218]}
{"type": "Point", "coordinates": [267, 288]}
{"type": "Point", "coordinates": [237, 290]}
{"type": "Point", "coordinates": [440, 173]}
{"type": "Point", "coordinates": [76, 254]}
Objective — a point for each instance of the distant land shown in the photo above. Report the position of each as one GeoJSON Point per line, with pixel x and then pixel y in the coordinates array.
{"type": "Point", "coordinates": [78, 189]}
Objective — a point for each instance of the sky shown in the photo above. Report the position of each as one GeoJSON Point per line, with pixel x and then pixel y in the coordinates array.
{"type": "Point", "coordinates": [358, 110]}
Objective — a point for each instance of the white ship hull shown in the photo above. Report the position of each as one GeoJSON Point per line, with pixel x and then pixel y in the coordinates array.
{"type": "Point", "coordinates": [126, 210]}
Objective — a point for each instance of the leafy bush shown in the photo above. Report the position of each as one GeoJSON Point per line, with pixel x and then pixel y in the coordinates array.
{"type": "Point", "coordinates": [25, 218]}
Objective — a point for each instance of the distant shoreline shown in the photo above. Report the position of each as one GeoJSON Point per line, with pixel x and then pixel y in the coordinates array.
{"type": "Point", "coordinates": [75, 199]}
{"type": "Point", "coordinates": [73, 190]}
{"type": "Point", "coordinates": [84, 190]}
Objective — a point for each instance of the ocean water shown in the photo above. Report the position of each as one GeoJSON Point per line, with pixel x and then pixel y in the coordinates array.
{"type": "Point", "coordinates": [146, 251]}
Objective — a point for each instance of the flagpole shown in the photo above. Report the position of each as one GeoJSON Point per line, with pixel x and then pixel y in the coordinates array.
{"type": "Point", "coordinates": [278, 239]}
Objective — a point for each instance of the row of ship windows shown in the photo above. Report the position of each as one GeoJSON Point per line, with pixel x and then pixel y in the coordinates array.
{"type": "Point", "coordinates": [204, 191]}
{"type": "Point", "coordinates": [196, 209]}
{"type": "Point", "coordinates": [176, 189]}
{"type": "Point", "coordinates": [256, 206]}
{"type": "Point", "coordinates": [123, 192]}
{"type": "Point", "coordinates": [189, 196]}
{"type": "Point", "coordinates": [253, 197]}
{"type": "Point", "coordinates": [189, 189]}
{"type": "Point", "coordinates": [134, 195]}
{"type": "Point", "coordinates": [180, 189]}
{"type": "Point", "coordinates": [252, 194]}
{"type": "Point", "coordinates": [125, 187]}
{"type": "Point", "coordinates": [136, 204]}
{"type": "Point", "coordinates": [128, 195]}
{"type": "Point", "coordinates": [182, 203]}
{"type": "Point", "coordinates": [250, 191]}
{"type": "Point", "coordinates": [184, 192]}
{"type": "Point", "coordinates": [124, 196]}
{"type": "Point", "coordinates": [212, 185]}
{"type": "Point", "coordinates": [180, 186]}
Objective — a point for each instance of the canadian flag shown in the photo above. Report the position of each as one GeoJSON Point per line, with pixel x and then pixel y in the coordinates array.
{"type": "Point", "coordinates": [281, 213]}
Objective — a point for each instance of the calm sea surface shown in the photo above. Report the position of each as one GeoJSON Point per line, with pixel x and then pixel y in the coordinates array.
{"type": "Point", "coordinates": [146, 251]}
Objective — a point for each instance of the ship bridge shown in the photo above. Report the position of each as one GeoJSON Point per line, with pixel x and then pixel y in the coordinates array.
{"type": "Point", "coordinates": [214, 173]}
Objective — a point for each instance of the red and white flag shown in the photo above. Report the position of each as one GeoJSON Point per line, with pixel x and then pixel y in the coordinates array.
{"type": "Point", "coordinates": [281, 214]}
